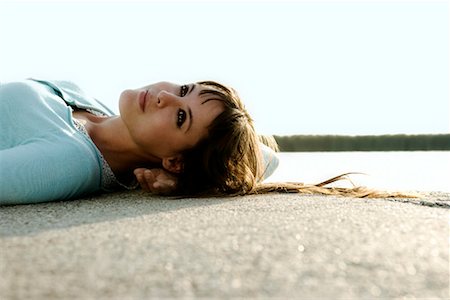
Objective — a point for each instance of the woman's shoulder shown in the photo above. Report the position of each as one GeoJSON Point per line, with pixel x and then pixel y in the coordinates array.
{"type": "Point", "coordinates": [22, 99]}
{"type": "Point", "coordinates": [73, 95]}
{"type": "Point", "coordinates": [14, 89]}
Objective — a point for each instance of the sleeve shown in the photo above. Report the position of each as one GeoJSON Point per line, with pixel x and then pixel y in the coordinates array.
{"type": "Point", "coordinates": [40, 172]}
{"type": "Point", "coordinates": [270, 160]}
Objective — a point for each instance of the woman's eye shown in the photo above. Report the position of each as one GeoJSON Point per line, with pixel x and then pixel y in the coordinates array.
{"type": "Point", "coordinates": [181, 117]}
{"type": "Point", "coordinates": [183, 90]}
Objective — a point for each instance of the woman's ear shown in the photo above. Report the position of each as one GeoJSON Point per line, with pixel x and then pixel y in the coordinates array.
{"type": "Point", "coordinates": [173, 164]}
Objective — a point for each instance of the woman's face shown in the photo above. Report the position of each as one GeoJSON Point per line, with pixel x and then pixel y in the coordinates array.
{"type": "Point", "coordinates": [164, 119]}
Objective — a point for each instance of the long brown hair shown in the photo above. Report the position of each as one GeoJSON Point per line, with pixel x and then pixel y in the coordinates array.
{"type": "Point", "coordinates": [228, 162]}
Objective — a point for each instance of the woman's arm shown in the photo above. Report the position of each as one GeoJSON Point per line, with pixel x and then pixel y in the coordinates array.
{"type": "Point", "coordinates": [44, 171]}
{"type": "Point", "coordinates": [160, 181]}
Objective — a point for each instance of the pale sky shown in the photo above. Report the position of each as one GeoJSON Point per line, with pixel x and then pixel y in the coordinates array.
{"type": "Point", "coordinates": [301, 67]}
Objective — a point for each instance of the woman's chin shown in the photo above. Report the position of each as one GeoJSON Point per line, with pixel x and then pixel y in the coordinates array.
{"type": "Point", "coordinates": [126, 100]}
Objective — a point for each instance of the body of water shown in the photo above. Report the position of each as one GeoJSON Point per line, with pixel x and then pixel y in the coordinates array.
{"type": "Point", "coordinates": [393, 171]}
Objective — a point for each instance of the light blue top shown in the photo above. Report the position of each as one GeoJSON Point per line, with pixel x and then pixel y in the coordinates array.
{"type": "Point", "coordinates": [44, 156]}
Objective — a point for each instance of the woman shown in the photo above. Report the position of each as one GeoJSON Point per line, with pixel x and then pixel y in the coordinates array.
{"type": "Point", "coordinates": [59, 143]}
{"type": "Point", "coordinates": [187, 140]}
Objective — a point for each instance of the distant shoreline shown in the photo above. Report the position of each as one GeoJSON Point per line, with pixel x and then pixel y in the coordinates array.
{"type": "Point", "coordinates": [396, 142]}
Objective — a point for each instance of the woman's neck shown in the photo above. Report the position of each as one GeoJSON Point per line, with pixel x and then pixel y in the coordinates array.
{"type": "Point", "coordinates": [114, 142]}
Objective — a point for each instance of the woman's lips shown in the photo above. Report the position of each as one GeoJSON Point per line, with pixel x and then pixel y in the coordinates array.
{"type": "Point", "coordinates": [142, 99]}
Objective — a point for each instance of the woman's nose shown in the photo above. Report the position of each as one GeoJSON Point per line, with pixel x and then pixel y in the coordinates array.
{"type": "Point", "coordinates": [166, 99]}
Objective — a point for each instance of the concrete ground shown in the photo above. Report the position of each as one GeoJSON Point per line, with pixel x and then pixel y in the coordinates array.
{"type": "Point", "coordinates": [134, 246]}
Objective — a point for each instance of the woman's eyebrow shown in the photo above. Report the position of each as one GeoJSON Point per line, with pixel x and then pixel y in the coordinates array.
{"type": "Point", "coordinates": [190, 118]}
{"type": "Point", "coordinates": [189, 109]}
{"type": "Point", "coordinates": [192, 89]}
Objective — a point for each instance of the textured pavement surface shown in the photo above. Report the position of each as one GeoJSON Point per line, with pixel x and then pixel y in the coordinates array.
{"type": "Point", "coordinates": [134, 246]}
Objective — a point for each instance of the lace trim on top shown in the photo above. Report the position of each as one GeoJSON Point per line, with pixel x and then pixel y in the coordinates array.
{"type": "Point", "coordinates": [109, 180]}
